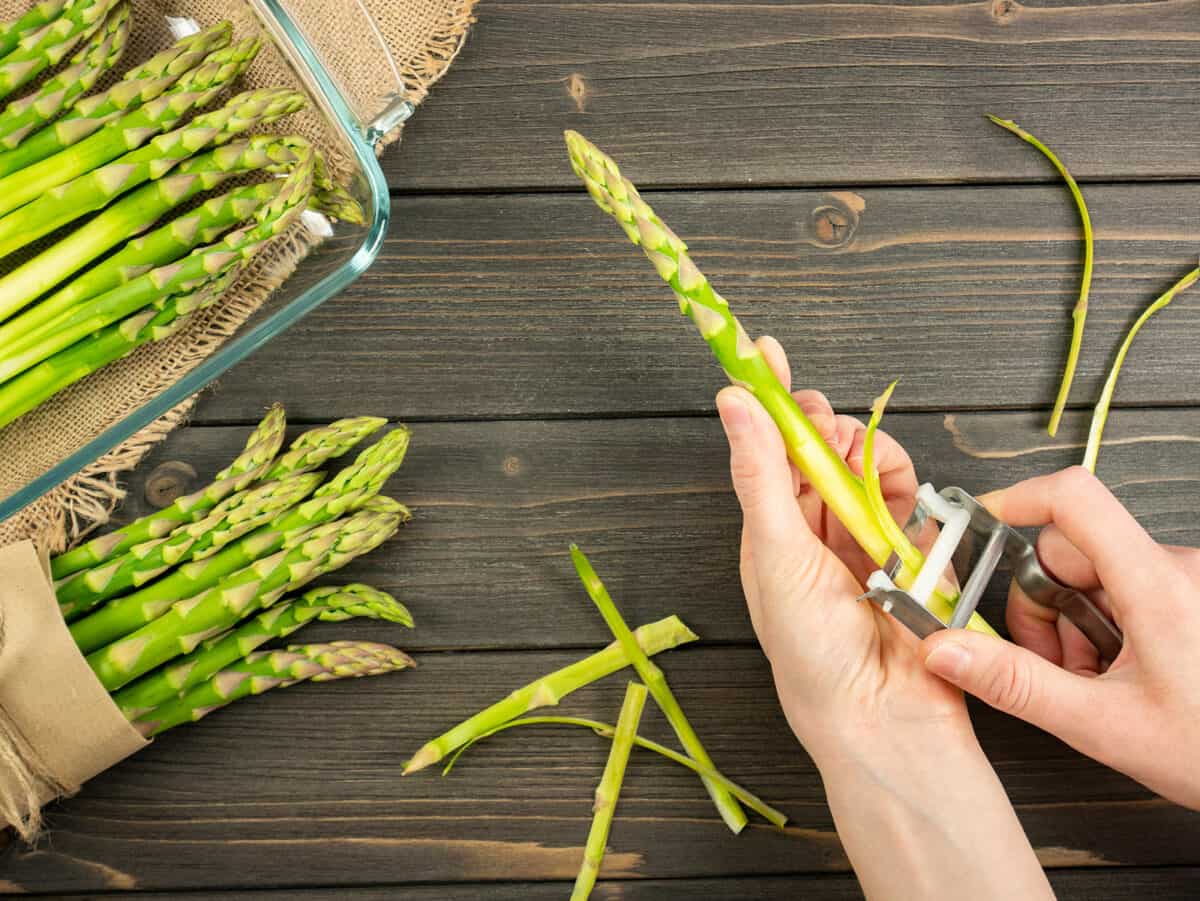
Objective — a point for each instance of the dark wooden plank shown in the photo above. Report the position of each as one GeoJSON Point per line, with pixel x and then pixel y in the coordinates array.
{"type": "Point", "coordinates": [497, 504]}
{"type": "Point", "coordinates": [302, 787]}
{"type": "Point", "coordinates": [699, 93]}
{"type": "Point", "coordinates": [530, 306]}
{"type": "Point", "coordinates": [1133, 883]}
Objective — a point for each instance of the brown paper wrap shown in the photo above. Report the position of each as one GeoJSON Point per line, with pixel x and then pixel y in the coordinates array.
{"type": "Point", "coordinates": [58, 726]}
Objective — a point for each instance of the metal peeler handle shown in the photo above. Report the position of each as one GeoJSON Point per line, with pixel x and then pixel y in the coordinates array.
{"type": "Point", "coordinates": [961, 514]}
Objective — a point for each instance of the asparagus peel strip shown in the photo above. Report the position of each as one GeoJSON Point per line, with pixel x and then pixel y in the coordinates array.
{"type": "Point", "coordinates": [187, 623]}
{"type": "Point", "coordinates": [93, 190]}
{"type": "Point", "coordinates": [653, 638]}
{"type": "Point", "coordinates": [229, 520]}
{"type": "Point", "coordinates": [139, 86]}
{"type": "Point", "coordinates": [256, 456]}
{"type": "Point", "coordinates": [606, 730]}
{"type": "Point", "coordinates": [609, 790]}
{"type": "Point", "coordinates": [908, 553]}
{"type": "Point", "coordinates": [195, 89]}
{"type": "Point", "coordinates": [32, 19]}
{"type": "Point", "coordinates": [38, 50]}
{"type": "Point", "coordinates": [656, 682]}
{"type": "Point", "coordinates": [263, 671]}
{"type": "Point", "coordinates": [1079, 314]}
{"type": "Point", "coordinates": [34, 110]}
{"type": "Point", "coordinates": [1100, 413]}
{"type": "Point", "coordinates": [165, 244]}
{"type": "Point", "coordinates": [842, 491]}
{"type": "Point", "coordinates": [327, 604]}
{"type": "Point", "coordinates": [345, 493]}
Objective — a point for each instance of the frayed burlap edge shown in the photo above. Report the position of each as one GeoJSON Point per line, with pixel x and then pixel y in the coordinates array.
{"type": "Point", "coordinates": [87, 499]}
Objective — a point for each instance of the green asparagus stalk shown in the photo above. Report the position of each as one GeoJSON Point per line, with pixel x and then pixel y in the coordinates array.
{"type": "Point", "coordinates": [744, 364]}
{"type": "Point", "coordinates": [188, 622]}
{"type": "Point", "coordinates": [234, 517]}
{"type": "Point", "coordinates": [164, 245]}
{"type": "Point", "coordinates": [656, 682]}
{"type": "Point", "coordinates": [253, 461]}
{"type": "Point", "coordinates": [139, 86]}
{"type": "Point", "coordinates": [193, 90]}
{"type": "Point", "coordinates": [653, 638]}
{"type": "Point", "coordinates": [265, 670]}
{"type": "Point", "coordinates": [345, 493]}
{"type": "Point", "coordinates": [38, 50]}
{"type": "Point", "coordinates": [314, 447]}
{"type": "Point", "coordinates": [175, 290]}
{"type": "Point", "coordinates": [31, 20]}
{"type": "Point", "coordinates": [607, 730]}
{"type": "Point", "coordinates": [1079, 314]}
{"type": "Point", "coordinates": [609, 790]}
{"type": "Point", "coordinates": [95, 189]}
{"type": "Point", "coordinates": [57, 93]}
{"type": "Point", "coordinates": [1100, 413]}
{"type": "Point", "coordinates": [327, 604]}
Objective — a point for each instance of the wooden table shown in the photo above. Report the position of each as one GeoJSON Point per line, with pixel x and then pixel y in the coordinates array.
{"type": "Point", "coordinates": [832, 170]}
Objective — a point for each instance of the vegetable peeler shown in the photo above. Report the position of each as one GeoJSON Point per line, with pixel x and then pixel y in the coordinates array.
{"type": "Point", "coordinates": [975, 543]}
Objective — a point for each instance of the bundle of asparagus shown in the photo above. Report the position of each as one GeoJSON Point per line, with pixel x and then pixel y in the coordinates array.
{"type": "Point", "coordinates": [131, 153]}
{"type": "Point", "coordinates": [631, 648]}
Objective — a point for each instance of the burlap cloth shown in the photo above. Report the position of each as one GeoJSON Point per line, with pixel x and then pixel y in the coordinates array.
{"type": "Point", "coordinates": [423, 36]}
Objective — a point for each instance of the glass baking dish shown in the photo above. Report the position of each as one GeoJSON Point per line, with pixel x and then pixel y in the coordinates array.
{"type": "Point", "coordinates": [358, 99]}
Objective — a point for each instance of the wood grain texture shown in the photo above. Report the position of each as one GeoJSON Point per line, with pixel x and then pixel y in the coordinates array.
{"type": "Point", "coordinates": [1129, 884]}
{"type": "Point", "coordinates": [697, 93]}
{"type": "Point", "coordinates": [302, 787]}
{"type": "Point", "coordinates": [498, 503]}
{"type": "Point", "coordinates": [531, 306]}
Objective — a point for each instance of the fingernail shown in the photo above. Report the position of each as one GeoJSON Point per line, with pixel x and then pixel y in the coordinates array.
{"type": "Point", "coordinates": [735, 415]}
{"type": "Point", "coordinates": [949, 660]}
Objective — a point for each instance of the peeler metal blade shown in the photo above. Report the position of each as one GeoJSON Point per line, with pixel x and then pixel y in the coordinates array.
{"type": "Point", "coordinates": [974, 543]}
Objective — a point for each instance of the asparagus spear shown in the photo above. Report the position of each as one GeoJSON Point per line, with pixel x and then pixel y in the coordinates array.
{"type": "Point", "coordinates": [32, 19]}
{"type": "Point", "coordinates": [607, 730]}
{"type": "Point", "coordinates": [653, 638]}
{"type": "Point", "coordinates": [56, 94]}
{"type": "Point", "coordinates": [139, 86]}
{"type": "Point", "coordinates": [38, 50]}
{"type": "Point", "coordinates": [265, 670]}
{"type": "Point", "coordinates": [345, 493]}
{"type": "Point", "coordinates": [229, 520]}
{"type": "Point", "coordinates": [164, 245]}
{"type": "Point", "coordinates": [177, 280]}
{"type": "Point", "coordinates": [609, 790]}
{"type": "Point", "coordinates": [318, 445]}
{"type": "Point", "coordinates": [256, 456]}
{"type": "Point", "coordinates": [328, 604]}
{"type": "Point", "coordinates": [194, 89]}
{"type": "Point", "coordinates": [744, 364]}
{"type": "Point", "coordinates": [92, 191]}
{"type": "Point", "coordinates": [188, 622]}
{"type": "Point", "coordinates": [656, 682]}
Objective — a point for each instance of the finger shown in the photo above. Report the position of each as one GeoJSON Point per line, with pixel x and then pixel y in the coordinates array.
{"type": "Point", "coordinates": [1015, 681]}
{"type": "Point", "coordinates": [776, 358]}
{"type": "Point", "coordinates": [1065, 562]}
{"type": "Point", "coordinates": [759, 466]}
{"type": "Point", "coordinates": [897, 477]}
{"type": "Point", "coordinates": [1079, 655]}
{"type": "Point", "coordinates": [1033, 626]}
{"type": "Point", "coordinates": [1128, 561]}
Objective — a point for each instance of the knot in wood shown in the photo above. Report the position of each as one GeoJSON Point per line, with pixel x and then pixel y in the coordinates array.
{"type": "Point", "coordinates": [512, 465]}
{"type": "Point", "coordinates": [834, 222]}
{"type": "Point", "coordinates": [1005, 11]}
{"type": "Point", "coordinates": [168, 482]}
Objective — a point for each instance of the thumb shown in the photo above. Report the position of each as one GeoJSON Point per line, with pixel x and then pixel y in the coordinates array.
{"type": "Point", "coordinates": [1012, 679]}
